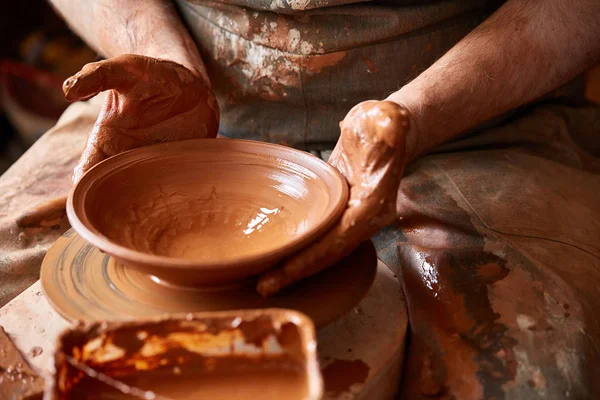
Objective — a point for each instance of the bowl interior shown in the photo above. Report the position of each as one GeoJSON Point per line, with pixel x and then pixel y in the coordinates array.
{"type": "Point", "coordinates": [209, 201]}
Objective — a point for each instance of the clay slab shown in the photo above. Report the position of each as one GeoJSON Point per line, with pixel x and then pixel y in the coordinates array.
{"type": "Point", "coordinates": [266, 354]}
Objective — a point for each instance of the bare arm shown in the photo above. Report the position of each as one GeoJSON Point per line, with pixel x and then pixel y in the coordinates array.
{"type": "Point", "coordinates": [523, 51]}
{"type": "Point", "coordinates": [151, 28]}
{"type": "Point", "coordinates": [526, 49]}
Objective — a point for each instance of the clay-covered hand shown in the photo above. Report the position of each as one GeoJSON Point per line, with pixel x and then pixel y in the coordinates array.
{"type": "Point", "coordinates": [371, 153]}
{"type": "Point", "coordinates": [149, 100]}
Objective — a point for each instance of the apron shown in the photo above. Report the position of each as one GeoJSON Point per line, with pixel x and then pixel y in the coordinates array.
{"type": "Point", "coordinates": [288, 71]}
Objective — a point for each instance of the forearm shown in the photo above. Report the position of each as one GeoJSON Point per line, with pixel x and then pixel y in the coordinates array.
{"type": "Point", "coordinates": [150, 28]}
{"type": "Point", "coordinates": [523, 51]}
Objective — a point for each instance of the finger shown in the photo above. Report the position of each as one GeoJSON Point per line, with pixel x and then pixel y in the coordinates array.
{"type": "Point", "coordinates": [43, 215]}
{"type": "Point", "coordinates": [338, 243]}
{"type": "Point", "coordinates": [119, 73]}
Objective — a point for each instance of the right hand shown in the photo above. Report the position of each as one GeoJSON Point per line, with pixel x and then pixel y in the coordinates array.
{"type": "Point", "coordinates": [149, 101]}
{"type": "Point", "coordinates": [371, 153]}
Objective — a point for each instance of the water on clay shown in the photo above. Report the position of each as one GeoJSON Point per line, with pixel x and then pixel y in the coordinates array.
{"type": "Point", "coordinates": [230, 213]}
{"type": "Point", "coordinates": [207, 237]}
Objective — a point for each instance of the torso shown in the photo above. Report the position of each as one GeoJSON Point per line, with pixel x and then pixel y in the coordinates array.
{"type": "Point", "coordinates": [287, 71]}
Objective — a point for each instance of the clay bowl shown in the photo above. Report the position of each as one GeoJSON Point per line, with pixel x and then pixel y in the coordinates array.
{"type": "Point", "coordinates": [207, 211]}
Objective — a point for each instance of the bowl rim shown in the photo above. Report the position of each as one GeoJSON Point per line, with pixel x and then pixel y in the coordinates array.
{"type": "Point", "coordinates": [334, 180]}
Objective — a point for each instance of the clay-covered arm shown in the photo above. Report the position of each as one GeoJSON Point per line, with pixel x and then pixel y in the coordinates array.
{"type": "Point", "coordinates": [150, 28]}
{"type": "Point", "coordinates": [157, 85]}
{"type": "Point", "coordinates": [523, 51]}
{"type": "Point", "coordinates": [526, 49]}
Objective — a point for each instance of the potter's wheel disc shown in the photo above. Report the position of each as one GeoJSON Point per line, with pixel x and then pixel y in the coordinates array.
{"type": "Point", "coordinates": [82, 283]}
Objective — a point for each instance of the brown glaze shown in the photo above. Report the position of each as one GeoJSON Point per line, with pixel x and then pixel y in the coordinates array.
{"type": "Point", "coordinates": [206, 211]}
{"type": "Point", "coordinates": [149, 101]}
{"type": "Point", "coordinates": [267, 354]}
{"type": "Point", "coordinates": [371, 154]}
{"type": "Point", "coordinates": [82, 283]}
{"type": "Point", "coordinates": [17, 379]}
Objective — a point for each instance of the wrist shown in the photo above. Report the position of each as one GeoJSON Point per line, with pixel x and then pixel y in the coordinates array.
{"type": "Point", "coordinates": [185, 55]}
{"type": "Point", "coordinates": [416, 137]}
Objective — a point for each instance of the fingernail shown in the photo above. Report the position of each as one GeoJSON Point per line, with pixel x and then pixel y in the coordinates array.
{"type": "Point", "coordinates": [68, 84]}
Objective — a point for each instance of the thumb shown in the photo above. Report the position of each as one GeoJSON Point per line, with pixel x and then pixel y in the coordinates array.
{"type": "Point", "coordinates": [117, 73]}
{"type": "Point", "coordinates": [339, 242]}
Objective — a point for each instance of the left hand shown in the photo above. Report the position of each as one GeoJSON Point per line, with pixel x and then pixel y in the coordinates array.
{"type": "Point", "coordinates": [371, 154]}
{"type": "Point", "coordinates": [149, 100]}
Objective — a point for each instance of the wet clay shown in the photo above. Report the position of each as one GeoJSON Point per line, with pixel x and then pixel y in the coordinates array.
{"type": "Point", "coordinates": [192, 386]}
{"type": "Point", "coordinates": [340, 375]}
{"type": "Point", "coordinates": [149, 101]}
{"type": "Point", "coordinates": [17, 379]}
{"type": "Point", "coordinates": [228, 208]}
{"type": "Point", "coordinates": [82, 283]}
{"type": "Point", "coordinates": [371, 154]}
{"type": "Point", "coordinates": [268, 354]}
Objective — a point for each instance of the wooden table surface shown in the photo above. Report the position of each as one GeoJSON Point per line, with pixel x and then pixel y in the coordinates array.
{"type": "Point", "coordinates": [372, 333]}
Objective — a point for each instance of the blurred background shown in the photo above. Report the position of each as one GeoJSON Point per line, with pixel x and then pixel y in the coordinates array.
{"type": "Point", "coordinates": [37, 52]}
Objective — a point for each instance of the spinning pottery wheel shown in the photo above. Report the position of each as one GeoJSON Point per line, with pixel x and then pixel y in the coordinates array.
{"type": "Point", "coordinates": [83, 283]}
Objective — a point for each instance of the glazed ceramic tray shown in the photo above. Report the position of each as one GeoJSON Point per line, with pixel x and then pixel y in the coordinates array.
{"type": "Point", "coordinates": [82, 283]}
{"type": "Point", "coordinates": [267, 354]}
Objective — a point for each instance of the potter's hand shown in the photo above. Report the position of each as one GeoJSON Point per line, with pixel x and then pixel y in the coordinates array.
{"type": "Point", "coordinates": [149, 101]}
{"type": "Point", "coordinates": [371, 154]}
